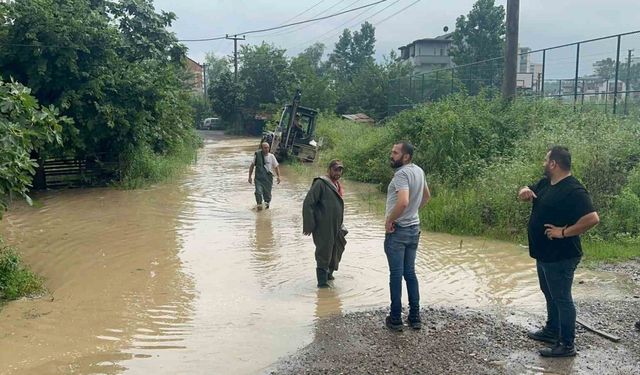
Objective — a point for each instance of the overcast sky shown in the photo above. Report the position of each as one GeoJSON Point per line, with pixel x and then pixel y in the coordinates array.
{"type": "Point", "coordinates": [543, 23]}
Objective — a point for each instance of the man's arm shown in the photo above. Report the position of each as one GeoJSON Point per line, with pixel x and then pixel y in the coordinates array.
{"type": "Point", "coordinates": [398, 209]}
{"type": "Point", "coordinates": [583, 224]}
{"type": "Point", "coordinates": [251, 170]}
{"type": "Point", "coordinates": [278, 173]}
{"type": "Point", "coordinates": [426, 195]}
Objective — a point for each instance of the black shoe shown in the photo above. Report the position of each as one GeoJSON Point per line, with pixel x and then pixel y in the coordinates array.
{"type": "Point", "coordinates": [330, 276]}
{"type": "Point", "coordinates": [560, 350]}
{"type": "Point", "coordinates": [414, 323]}
{"type": "Point", "coordinates": [543, 335]}
{"type": "Point", "coordinates": [638, 325]}
{"type": "Point", "coordinates": [266, 205]}
{"type": "Point", "coordinates": [392, 324]}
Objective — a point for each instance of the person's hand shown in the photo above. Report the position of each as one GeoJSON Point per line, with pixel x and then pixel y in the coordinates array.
{"type": "Point", "coordinates": [249, 179]}
{"type": "Point", "coordinates": [278, 180]}
{"type": "Point", "coordinates": [306, 233]}
{"type": "Point", "coordinates": [552, 231]}
{"type": "Point", "coordinates": [526, 194]}
{"type": "Point", "coordinates": [389, 226]}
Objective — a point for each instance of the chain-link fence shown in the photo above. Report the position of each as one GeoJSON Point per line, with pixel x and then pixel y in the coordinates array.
{"type": "Point", "coordinates": [596, 74]}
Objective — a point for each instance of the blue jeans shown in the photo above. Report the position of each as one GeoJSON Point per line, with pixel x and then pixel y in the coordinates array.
{"type": "Point", "coordinates": [400, 248]}
{"type": "Point", "coordinates": [555, 280]}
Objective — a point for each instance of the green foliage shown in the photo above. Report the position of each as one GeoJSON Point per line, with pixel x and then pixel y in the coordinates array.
{"type": "Point", "coordinates": [225, 95]}
{"type": "Point", "coordinates": [16, 280]}
{"type": "Point", "coordinates": [25, 127]}
{"type": "Point", "coordinates": [317, 90]}
{"type": "Point", "coordinates": [113, 67]}
{"type": "Point", "coordinates": [265, 75]}
{"type": "Point", "coordinates": [480, 35]}
{"type": "Point", "coordinates": [201, 109]}
{"type": "Point", "coordinates": [142, 166]}
{"type": "Point", "coordinates": [477, 152]}
{"type": "Point", "coordinates": [605, 69]}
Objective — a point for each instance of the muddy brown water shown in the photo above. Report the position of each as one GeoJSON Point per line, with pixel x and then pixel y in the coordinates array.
{"type": "Point", "coordinates": [187, 277]}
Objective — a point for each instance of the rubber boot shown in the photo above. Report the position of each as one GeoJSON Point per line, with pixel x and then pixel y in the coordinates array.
{"type": "Point", "coordinates": [330, 275]}
{"type": "Point", "coordinates": [322, 278]}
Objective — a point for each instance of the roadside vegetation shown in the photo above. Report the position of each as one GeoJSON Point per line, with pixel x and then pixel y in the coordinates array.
{"type": "Point", "coordinates": [477, 153]}
{"type": "Point", "coordinates": [89, 80]}
{"type": "Point", "coordinates": [16, 279]}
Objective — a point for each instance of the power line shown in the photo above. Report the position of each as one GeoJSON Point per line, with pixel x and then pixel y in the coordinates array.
{"type": "Point", "coordinates": [358, 23]}
{"type": "Point", "coordinates": [314, 16]}
{"type": "Point", "coordinates": [398, 12]}
{"type": "Point", "coordinates": [311, 20]}
{"type": "Point", "coordinates": [304, 11]}
{"type": "Point", "coordinates": [353, 25]}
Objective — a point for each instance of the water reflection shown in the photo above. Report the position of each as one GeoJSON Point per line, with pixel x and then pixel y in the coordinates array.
{"type": "Point", "coordinates": [328, 302]}
{"type": "Point", "coordinates": [265, 255]}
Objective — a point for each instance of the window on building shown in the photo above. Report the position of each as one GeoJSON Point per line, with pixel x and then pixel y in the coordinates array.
{"type": "Point", "coordinates": [441, 51]}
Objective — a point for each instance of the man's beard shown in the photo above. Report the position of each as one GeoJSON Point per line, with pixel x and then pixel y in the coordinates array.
{"type": "Point", "coordinates": [546, 172]}
{"type": "Point", "coordinates": [395, 163]}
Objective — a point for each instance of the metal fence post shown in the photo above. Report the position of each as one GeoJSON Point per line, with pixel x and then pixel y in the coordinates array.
{"type": "Point", "coordinates": [575, 78]}
{"type": "Point", "coordinates": [615, 84]}
{"type": "Point", "coordinates": [626, 84]}
{"type": "Point", "coordinates": [544, 60]}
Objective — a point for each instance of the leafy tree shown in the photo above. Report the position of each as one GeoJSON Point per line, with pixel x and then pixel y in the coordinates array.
{"type": "Point", "coordinates": [25, 127]}
{"type": "Point", "coordinates": [225, 95]}
{"type": "Point", "coordinates": [317, 89]}
{"type": "Point", "coordinates": [313, 55]}
{"type": "Point", "coordinates": [111, 66]}
{"type": "Point", "coordinates": [606, 68]}
{"type": "Point", "coordinates": [264, 75]}
{"type": "Point", "coordinates": [215, 67]}
{"type": "Point", "coordinates": [363, 46]}
{"type": "Point", "coordinates": [480, 35]}
{"type": "Point", "coordinates": [340, 59]}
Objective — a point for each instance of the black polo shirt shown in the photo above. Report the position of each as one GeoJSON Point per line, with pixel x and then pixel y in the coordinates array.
{"type": "Point", "coordinates": [561, 204]}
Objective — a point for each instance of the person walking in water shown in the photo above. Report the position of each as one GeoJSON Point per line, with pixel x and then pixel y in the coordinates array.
{"type": "Point", "coordinates": [322, 216]}
{"type": "Point", "coordinates": [407, 193]}
{"type": "Point", "coordinates": [264, 163]}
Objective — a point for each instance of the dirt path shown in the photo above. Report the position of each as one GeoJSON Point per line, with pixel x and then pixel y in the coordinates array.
{"type": "Point", "coordinates": [462, 341]}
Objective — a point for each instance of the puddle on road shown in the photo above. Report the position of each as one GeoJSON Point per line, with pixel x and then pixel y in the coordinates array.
{"type": "Point", "coordinates": [188, 278]}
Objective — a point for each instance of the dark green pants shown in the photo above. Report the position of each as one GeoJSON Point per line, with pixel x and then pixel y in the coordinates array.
{"type": "Point", "coordinates": [264, 184]}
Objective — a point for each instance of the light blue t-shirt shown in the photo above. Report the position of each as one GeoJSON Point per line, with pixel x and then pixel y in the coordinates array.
{"type": "Point", "coordinates": [408, 177]}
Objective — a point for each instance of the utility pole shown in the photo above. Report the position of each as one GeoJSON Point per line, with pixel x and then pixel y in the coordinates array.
{"type": "Point", "coordinates": [235, 39]}
{"type": "Point", "coordinates": [204, 77]}
{"type": "Point", "coordinates": [511, 51]}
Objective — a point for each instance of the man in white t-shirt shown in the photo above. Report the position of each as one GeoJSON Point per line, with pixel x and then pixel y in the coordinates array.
{"type": "Point", "coordinates": [265, 164]}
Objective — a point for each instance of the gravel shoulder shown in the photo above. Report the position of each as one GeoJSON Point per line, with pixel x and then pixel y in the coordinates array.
{"type": "Point", "coordinates": [463, 341]}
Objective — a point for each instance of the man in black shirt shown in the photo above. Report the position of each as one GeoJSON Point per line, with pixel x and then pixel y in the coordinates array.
{"type": "Point", "coordinates": [561, 211]}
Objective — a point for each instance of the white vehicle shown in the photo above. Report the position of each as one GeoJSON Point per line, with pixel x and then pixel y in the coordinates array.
{"type": "Point", "coordinates": [210, 123]}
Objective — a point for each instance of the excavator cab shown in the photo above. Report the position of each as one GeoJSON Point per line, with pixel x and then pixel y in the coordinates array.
{"type": "Point", "coordinates": [295, 134]}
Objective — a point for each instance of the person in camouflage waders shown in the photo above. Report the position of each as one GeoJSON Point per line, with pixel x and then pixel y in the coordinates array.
{"type": "Point", "coordinates": [265, 164]}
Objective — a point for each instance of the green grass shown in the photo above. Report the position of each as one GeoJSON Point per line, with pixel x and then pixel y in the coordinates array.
{"type": "Point", "coordinates": [143, 167]}
{"type": "Point", "coordinates": [16, 280]}
{"type": "Point", "coordinates": [610, 252]}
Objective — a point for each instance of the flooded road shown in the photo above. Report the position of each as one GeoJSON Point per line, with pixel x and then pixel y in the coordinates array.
{"type": "Point", "coordinates": [189, 278]}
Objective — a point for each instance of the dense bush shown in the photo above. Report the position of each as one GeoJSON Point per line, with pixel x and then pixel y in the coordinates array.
{"type": "Point", "coordinates": [477, 153]}
{"type": "Point", "coordinates": [16, 280]}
